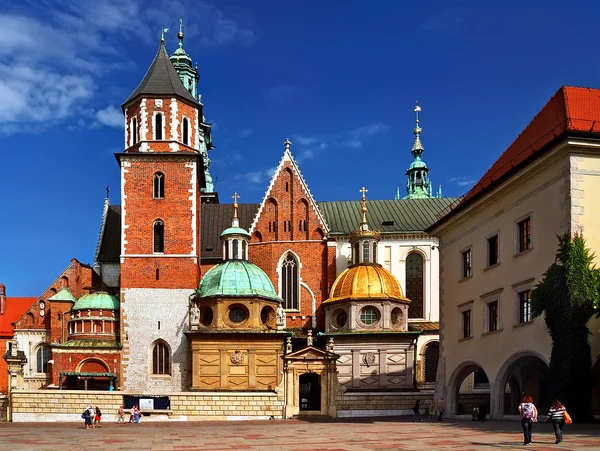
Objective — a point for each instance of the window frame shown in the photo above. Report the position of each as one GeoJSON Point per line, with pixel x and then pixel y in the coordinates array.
{"type": "Point", "coordinates": [43, 350]}
{"type": "Point", "coordinates": [463, 272]}
{"type": "Point", "coordinates": [519, 245]}
{"type": "Point", "coordinates": [492, 305]}
{"type": "Point", "coordinates": [409, 291]}
{"type": "Point", "coordinates": [488, 262]}
{"type": "Point", "coordinates": [294, 285]}
{"type": "Point", "coordinates": [158, 188]}
{"type": "Point", "coordinates": [161, 245]}
{"type": "Point", "coordinates": [133, 131]}
{"type": "Point", "coordinates": [157, 346]}
{"type": "Point", "coordinates": [467, 307]}
{"type": "Point", "coordinates": [186, 121]}
{"type": "Point", "coordinates": [155, 128]}
{"type": "Point", "coordinates": [526, 285]}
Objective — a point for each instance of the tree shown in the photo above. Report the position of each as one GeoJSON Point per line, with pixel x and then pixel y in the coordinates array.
{"type": "Point", "coordinates": [569, 294]}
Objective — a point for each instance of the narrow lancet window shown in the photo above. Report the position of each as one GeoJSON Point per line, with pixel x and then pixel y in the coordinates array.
{"type": "Point", "coordinates": [159, 237]}
{"type": "Point", "coordinates": [158, 127]}
{"type": "Point", "coordinates": [159, 185]}
{"type": "Point", "coordinates": [186, 132]}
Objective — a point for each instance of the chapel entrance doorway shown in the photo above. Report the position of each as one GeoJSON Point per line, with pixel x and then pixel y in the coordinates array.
{"type": "Point", "coordinates": [310, 392]}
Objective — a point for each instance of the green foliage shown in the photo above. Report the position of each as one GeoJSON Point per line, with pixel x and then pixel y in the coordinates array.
{"type": "Point", "coordinates": [569, 294]}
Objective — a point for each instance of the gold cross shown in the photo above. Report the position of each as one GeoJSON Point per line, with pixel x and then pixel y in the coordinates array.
{"type": "Point", "coordinates": [235, 197]}
{"type": "Point", "coordinates": [364, 191]}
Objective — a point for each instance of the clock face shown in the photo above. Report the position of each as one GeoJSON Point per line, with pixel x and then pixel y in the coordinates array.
{"type": "Point", "coordinates": [237, 314]}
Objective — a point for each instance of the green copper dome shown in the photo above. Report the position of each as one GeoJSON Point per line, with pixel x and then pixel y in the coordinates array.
{"type": "Point", "coordinates": [417, 164]}
{"type": "Point", "coordinates": [235, 231]}
{"type": "Point", "coordinates": [236, 278]}
{"type": "Point", "coordinates": [99, 300]}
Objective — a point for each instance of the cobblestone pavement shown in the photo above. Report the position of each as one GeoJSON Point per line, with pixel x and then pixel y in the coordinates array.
{"type": "Point", "coordinates": [294, 435]}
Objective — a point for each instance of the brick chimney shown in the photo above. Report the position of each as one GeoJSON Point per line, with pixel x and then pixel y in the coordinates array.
{"type": "Point", "coordinates": [2, 298]}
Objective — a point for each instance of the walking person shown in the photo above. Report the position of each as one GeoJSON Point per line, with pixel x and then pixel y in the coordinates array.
{"type": "Point", "coordinates": [97, 417]}
{"type": "Point", "coordinates": [556, 415]}
{"type": "Point", "coordinates": [441, 408]}
{"type": "Point", "coordinates": [131, 414]}
{"type": "Point", "coordinates": [529, 415]}
{"type": "Point", "coordinates": [87, 416]}
{"type": "Point", "coordinates": [136, 414]}
{"type": "Point", "coordinates": [417, 412]}
{"type": "Point", "coordinates": [121, 414]}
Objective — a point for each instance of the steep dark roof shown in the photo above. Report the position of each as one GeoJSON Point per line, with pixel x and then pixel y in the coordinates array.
{"type": "Point", "coordinates": [161, 79]}
{"type": "Point", "coordinates": [215, 219]}
{"type": "Point", "coordinates": [386, 216]}
{"type": "Point", "coordinates": [110, 249]}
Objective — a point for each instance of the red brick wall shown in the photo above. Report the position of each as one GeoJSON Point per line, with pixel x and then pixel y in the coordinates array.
{"type": "Point", "coordinates": [285, 224]}
{"type": "Point", "coordinates": [183, 110]}
{"type": "Point", "coordinates": [71, 361]}
{"type": "Point", "coordinates": [175, 210]}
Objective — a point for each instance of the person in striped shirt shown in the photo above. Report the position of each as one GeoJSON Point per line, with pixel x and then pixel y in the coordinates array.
{"type": "Point", "coordinates": [556, 414]}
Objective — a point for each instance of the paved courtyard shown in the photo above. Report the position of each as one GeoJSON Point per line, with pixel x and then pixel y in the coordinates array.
{"type": "Point", "coordinates": [294, 435]}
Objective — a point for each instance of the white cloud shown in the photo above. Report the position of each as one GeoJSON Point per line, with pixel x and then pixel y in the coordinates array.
{"type": "Point", "coordinates": [54, 53]}
{"type": "Point", "coordinates": [110, 116]}
{"type": "Point", "coordinates": [462, 181]}
{"type": "Point", "coordinates": [256, 177]}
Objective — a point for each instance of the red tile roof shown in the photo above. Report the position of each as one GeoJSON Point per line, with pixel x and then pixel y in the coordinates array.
{"type": "Point", "coordinates": [13, 310]}
{"type": "Point", "coordinates": [571, 109]}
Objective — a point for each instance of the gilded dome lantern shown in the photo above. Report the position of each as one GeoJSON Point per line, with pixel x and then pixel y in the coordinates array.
{"type": "Point", "coordinates": [365, 296]}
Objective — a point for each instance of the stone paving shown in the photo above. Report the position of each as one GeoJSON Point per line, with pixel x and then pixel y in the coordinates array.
{"type": "Point", "coordinates": [294, 435]}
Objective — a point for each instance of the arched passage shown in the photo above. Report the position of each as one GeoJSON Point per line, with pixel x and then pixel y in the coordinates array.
{"type": "Point", "coordinates": [596, 387]}
{"type": "Point", "coordinates": [468, 388]}
{"type": "Point", "coordinates": [523, 372]}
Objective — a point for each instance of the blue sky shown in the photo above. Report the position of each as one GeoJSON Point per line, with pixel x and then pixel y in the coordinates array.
{"type": "Point", "coordinates": [340, 78]}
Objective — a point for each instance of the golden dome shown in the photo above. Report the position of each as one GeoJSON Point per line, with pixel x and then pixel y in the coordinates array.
{"type": "Point", "coordinates": [366, 281]}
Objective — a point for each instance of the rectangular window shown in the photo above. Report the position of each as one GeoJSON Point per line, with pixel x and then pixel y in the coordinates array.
{"type": "Point", "coordinates": [467, 269]}
{"type": "Point", "coordinates": [492, 316]}
{"type": "Point", "coordinates": [466, 324]}
{"type": "Point", "coordinates": [492, 248]}
{"type": "Point", "coordinates": [524, 306]}
{"type": "Point", "coordinates": [524, 230]}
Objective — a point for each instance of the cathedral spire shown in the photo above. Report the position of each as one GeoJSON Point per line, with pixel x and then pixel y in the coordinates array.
{"type": "Point", "coordinates": [418, 185]}
{"type": "Point", "coordinates": [364, 225]}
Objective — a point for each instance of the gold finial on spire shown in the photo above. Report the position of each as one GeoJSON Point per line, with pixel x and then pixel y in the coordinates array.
{"type": "Point", "coordinates": [417, 109]}
{"type": "Point", "coordinates": [162, 34]}
{"type": "Point", "coordinates": [287, 144]}
{"type": "Point", "coordinates": [235, 198]}
{"type": "Point", "coordinates": [180, 34]}
{"type": "Point", "coordinates": [363, 207]}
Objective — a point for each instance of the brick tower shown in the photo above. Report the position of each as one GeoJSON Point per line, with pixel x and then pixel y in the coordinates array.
{"type": "Point", "coordinates": [162, 175]}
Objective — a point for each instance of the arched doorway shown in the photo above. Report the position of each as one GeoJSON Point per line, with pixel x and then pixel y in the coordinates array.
{"type": "Point", "coordinates": [432, 355]}
{"type": "Point", "coordinates": [310, 392]}
{"type": "Point", "coordinates": [596, 387]}
{"type": "Point", "coordinates": [523, 373]}
{"type": "Point", "coordinates": [469, 388]}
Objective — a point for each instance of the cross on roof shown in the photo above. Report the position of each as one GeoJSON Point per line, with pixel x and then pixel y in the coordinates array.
{"type": "Point", "coordinates": [364, 191]}
{"type": "Point", "coordinates": [287, 143]}
{"type": "Point", "coordinates": [235, 197]}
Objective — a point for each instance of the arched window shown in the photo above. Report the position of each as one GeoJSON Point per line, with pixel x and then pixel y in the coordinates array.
{"type": "Point", "coordinates": [290, 283]}
{"type": "Point", "coordinates": [158, 126]}
{"type": "Point", "coordinates": [161, 359]}
{"type": "Point", "coordinates": [356, 258]}
{"type": "Point", "coordinates": [159, 185]}
{"type": "Point", "coordinates": [365, 256]}
{"type": "Point", "coordinates": [42, 357]}
{"type": "Point", "coordinates": [414, 284]}
{"type": "Point", "coordinates": [186, 131]}
{"type": "Point", "coordinates": [159, 237]}
{"type": "Point", "coordinates": [235, 249]}
{"type": "Point", "coordinates": [244, 251]}
{"type": "Point", "coordinates": [133, 131]}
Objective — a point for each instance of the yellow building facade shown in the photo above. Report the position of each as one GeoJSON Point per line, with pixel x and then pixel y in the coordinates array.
{"type": "Point", "coordinates": [495, 246]}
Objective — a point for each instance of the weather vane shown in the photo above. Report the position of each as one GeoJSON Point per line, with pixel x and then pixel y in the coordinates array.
{"type": "Point", "coordinates": [162, 33]}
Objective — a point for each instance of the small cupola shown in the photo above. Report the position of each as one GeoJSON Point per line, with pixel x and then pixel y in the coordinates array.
{"type": "Point", "coordinates": [364, 242]}
{"type": "Point", "coordinates": [235, 239]}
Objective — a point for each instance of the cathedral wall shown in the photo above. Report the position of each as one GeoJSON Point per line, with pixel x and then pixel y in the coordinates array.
{"type": "Point", "coordinates": [148, 315]}
{"type": "Point", "coordinates": [73, 359]}
{"type": "Point", "coordinates": [314, 265]}
{"type": "Point", "coordinates": [111, 272]}
{"type": "Point", "coordinates": [67, 405]}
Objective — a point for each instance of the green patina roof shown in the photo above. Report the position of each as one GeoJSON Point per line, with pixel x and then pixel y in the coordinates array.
{"type": "Point", "coordinates": [417, 164]}
{"type": "Point", "coordinates": [386, 216]}
{"type": "Point", "coordinates": [63, 295]}
{"type": "Point", "coordinates": [90, 343]}
{"type": "Point", "coordinates": [235, 231]}
{"type": "Point", "coordinates": [99, 300]}
{"type": "Point", "coordinates": [236, 278]}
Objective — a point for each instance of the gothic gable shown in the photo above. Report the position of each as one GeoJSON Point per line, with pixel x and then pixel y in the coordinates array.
{"type": "Point", "coordinates": [288, 212]}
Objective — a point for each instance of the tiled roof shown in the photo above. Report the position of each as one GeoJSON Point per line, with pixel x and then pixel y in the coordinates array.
{"type": "Point", "coordinates": [571, 109]}
{"type": "Point", "coordinates": [161, 79]}
{"type": "Point", "coordinates": [13, 310]}
{"type": "Point", "coordinates": [386, 216]}
{"type": "Point", "coordinates": [110, 248]}
{"type": "Point", "coordinates": [424, 326]}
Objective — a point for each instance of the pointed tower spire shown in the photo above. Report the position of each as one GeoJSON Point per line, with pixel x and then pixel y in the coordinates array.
{"type": "Point", "coordinates": [419, 185]}
{"type": "Point", "coordinates": [180, 34]}
{"type": "Point", "coordinates": [235, 222]}
{"type": "Point", "coordinates": [364, 242]}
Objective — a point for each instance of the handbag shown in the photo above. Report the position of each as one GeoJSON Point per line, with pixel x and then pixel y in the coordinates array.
{"type": "Point", "coordinates": [568, 419]}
